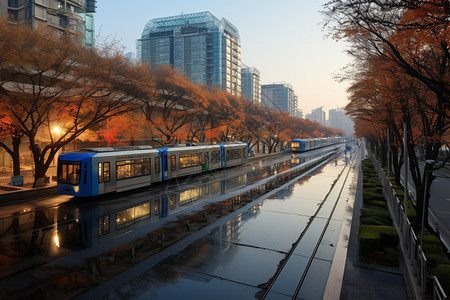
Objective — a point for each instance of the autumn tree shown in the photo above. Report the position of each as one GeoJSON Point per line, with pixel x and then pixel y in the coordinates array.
{"type": "Point", "coordinates": [49, 81]}
{"type": "Point", "coordinates": [172, 105]}
{"type": "Point", "coordinates": [413, 36]}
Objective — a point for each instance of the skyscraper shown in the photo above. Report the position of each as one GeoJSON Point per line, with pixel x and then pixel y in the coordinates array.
{"type": "Point", "coordinates": [207, 49]}
{"type": "Point", "coordinates": [317, 115]}
{"type": "Point", "coordinates": [279, 96]}
{"type": "Point", "coordinates": [251, 83]}
{"type": "Point", "coordinates": [337, 119]}
{"type": "Point", "coordinates": [65, 16]}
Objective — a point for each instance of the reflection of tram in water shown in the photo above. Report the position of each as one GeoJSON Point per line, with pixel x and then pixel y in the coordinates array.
{"type": "Point", "coordinates": [87, 226]}
{"type": "Point", "coordinates": [96, 171]}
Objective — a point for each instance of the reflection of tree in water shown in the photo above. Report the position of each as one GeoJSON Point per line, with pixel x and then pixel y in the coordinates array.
{"type": "Point", "coordinates": [26, 240]}
{"type": "Point", "coordinates": [41, 226]}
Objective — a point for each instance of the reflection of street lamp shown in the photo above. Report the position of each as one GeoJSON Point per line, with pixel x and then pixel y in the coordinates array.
{"type": "Point", "coordinates": [427, 172]}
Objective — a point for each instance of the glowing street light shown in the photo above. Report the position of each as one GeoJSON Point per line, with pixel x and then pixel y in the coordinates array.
{"type": "Point", "coordinates": [57, 130]}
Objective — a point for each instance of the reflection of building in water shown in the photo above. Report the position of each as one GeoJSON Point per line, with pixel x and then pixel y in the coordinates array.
{"type": "Point", "coordinates": [284, 193]}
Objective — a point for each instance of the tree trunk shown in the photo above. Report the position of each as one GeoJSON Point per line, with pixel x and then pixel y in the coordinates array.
{"type": "Point", "coordinates": [16, 155]}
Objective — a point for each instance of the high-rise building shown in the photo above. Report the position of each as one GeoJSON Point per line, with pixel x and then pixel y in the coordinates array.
{"type": "Point", "coordinates": [251, 83]}
{"type": "Point", "coordinates": [65, 16]}
{"type": "Point", "coordinates": [338, 120]}
{"type": "Point", "coordinates": [207, 49]}
{"type": "Point", "coordinates": [317, 115]}
{"type": "Point", "coordinates": [279, 96]}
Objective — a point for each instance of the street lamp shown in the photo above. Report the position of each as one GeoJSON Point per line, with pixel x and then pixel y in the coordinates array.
{"type": "Point", "coordinates": [57, 130]}
{"type": "Point", "coordinates": [428, 164]}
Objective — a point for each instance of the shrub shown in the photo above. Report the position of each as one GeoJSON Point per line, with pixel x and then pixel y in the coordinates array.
{"type": "Point", "coordinates": [442, 272]}
{"type": "Point", "coordinates": [388, 234]}
{"type": "Point", "coordinates": [368, 241]}
{"type": "Point", "coordinates": [378, 203]}
{"type": "Point", "coordinates": [372, 196]}
{"type": "Point", "coordinates": [371, 184]}
{"type": "Point", "coordinates": [390, 257]}
{"type": "Point", "coordinates": [374, 220]}
{"type": "Point", "coordinates": [375, 211]}
{"type": "Point", "coordinates": [433, 260]}
{"type": "Point", "coordinates": [431, 244]}
{"type": "Point", "coordinates": [378, 190]}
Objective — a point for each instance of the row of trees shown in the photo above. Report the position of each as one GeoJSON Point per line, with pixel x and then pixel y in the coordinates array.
{"type": "Point", "coordinates": [49, 81]}
{"type": "Point", "coordinates": [400, 76]}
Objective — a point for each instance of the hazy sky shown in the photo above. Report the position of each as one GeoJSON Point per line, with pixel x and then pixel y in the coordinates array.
{"type": "Point", "coordinates": [283, 39]}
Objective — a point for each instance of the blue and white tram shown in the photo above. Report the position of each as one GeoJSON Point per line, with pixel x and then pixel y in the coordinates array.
{"type": "Point", "coordinates": [302, 145]}
{"type": "Point", "coordinates": [95, 171]}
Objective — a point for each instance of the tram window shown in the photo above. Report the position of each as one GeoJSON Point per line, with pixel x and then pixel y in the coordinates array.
{"type": "Point", "coordinates": [132, 168]}
{"type": "Point", "coordinates": [173, 162]}
{"type": "Point", "coordinates": [190, 160]}
{"type": "Point", "coordinates": [103, 225]}
{"type": "Point", "coordinates": [106, 175]}
{"type": "Point", "coordinates": [157, 164]}
{"type": "Point", "coordinates": [295, 144]}
{"type": "Point", "coordinates": [69, 172]}
{"type": "Point", "coordinates": [100, 173]}
{"type": "Point", "coordinates": [233, 154]}
{"type": "Point", "coordinates": [215, 156]}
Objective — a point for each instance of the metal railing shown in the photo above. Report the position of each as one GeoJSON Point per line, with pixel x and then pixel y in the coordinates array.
{"type": "Point", "coordinates": [412, 252]}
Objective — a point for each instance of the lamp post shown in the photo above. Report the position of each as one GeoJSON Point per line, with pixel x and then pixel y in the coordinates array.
{"type": "Point", "coordinates": [427, 172]}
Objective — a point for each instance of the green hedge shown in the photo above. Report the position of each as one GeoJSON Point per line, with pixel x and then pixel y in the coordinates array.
{"type": "Point", "coordinates": [431, 244]}
{"type": "Point", "coordinates": [435, 259]}
{"type": "Point", "coordinates": [378, 203]}
{"type": "Point", "coordinates": [442, 272]}
{"type": "Point", "coordinates": [387, 236]}
{"type": "Point", "coordinates": [374, 220]}
{"type": "Point", "coordinates": [375, 211]}
{"type": "Point", "coordinates": [390, 256]}
{"type": "Point", "coordinates": [368, 241]}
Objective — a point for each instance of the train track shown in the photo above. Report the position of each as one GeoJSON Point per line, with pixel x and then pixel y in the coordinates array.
{"type": "Point", "coordinates": [306, 245]}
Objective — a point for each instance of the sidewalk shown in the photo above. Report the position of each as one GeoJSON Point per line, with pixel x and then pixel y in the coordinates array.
{"type": "Point", "coordinates": [370, 281]}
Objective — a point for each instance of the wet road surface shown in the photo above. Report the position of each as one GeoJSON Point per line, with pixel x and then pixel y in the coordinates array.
{"type": "Point", "coordinates": [237, 257]}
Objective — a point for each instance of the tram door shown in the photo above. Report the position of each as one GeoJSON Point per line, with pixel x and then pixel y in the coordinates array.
{"type": "Point", "coordinates": [163, 161]}
{"type": "Point", "coordinates": [104, 178]}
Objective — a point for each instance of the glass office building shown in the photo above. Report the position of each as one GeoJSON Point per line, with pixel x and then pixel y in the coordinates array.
{"type": "Point", "coordinates": [71, 17]}
{"type": "Point", "coordinates": [207, 49]}
{"type": "Point", "coordinates": [251, 83]}
{"type": "Point", "coordinates": [279, 96]}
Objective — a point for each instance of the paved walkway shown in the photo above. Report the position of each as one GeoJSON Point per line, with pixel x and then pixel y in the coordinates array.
{"type": "Point", "coordinates": [369, 281]}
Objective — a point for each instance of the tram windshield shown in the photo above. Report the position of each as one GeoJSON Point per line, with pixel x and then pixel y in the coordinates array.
{"type": "Point", "coordinates": [69, 172]}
